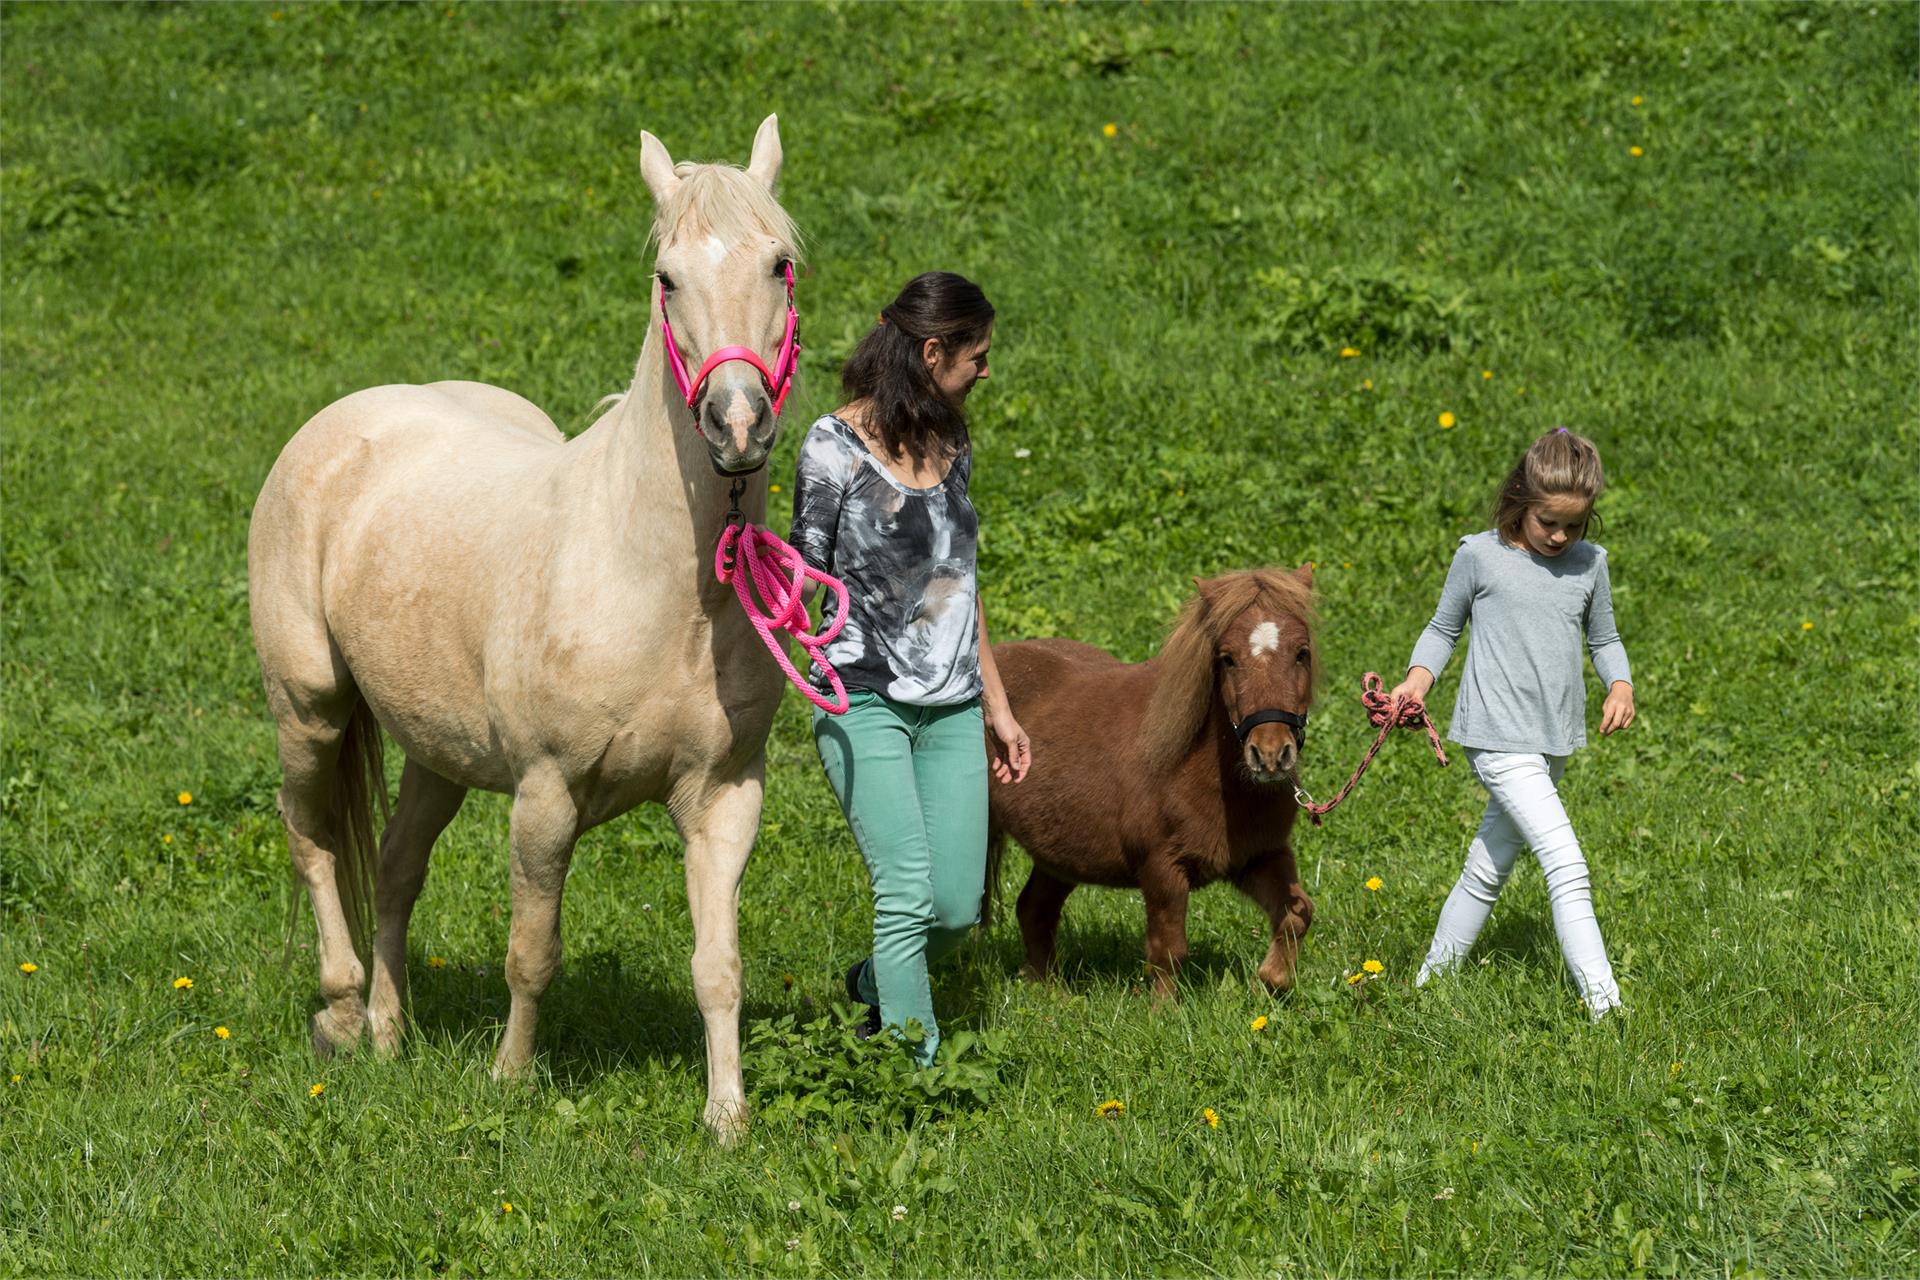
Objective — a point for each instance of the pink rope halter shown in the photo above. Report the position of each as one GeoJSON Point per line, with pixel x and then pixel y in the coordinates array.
{"type": "Point", "coordinates": [779, 379]}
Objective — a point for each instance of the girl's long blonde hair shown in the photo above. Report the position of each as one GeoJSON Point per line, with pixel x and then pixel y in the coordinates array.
{"type": "Point", "coordinates": [1559, 462]}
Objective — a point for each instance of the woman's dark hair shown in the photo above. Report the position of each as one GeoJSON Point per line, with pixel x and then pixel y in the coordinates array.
{"type": "Point", "coordinates": [908, 412]}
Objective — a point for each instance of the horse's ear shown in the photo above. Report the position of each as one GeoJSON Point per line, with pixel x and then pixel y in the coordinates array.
{"type": "Point", "coordinates": [656, 166]}
{"type": "Point", "coordinates": [765, 164]}
{"type": "Point", "coordinates": [1305, 574]}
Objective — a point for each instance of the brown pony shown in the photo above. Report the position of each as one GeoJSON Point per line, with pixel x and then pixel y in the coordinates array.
{"type": "Point", "coordinates": [1168, 774]}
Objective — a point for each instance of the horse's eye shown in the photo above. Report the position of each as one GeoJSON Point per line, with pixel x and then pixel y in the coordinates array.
{"type": "Point", "coordinates": [1303, 657]}
{"type": "Point", "coordinates": [666, 281]}
{"type": "Point", "coordinates": [1226, 660]}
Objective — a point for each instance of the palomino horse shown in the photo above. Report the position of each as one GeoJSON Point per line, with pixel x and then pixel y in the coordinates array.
{"type": "Point", "coordinates": [1168, 774]}
{"type": "Point", "coordinates": [537, 616]}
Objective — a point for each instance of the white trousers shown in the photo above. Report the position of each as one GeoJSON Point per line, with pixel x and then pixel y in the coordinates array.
{"type": "Point", "coordinates": [1524, 810]}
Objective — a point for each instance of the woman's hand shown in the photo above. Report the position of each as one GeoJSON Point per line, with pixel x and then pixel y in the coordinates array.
{"type": "Point", "coordinates": [1617, 711]}
{"type": "Point", "coordinates": [1012, 753]}
{"type": "Point", "coordinates": [1418, 684]}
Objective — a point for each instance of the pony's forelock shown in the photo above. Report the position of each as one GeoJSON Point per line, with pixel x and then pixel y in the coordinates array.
{"type": "Point", "coordinates": [723, 201]}
{"type": "Point", "coordinates": [1183, 694]}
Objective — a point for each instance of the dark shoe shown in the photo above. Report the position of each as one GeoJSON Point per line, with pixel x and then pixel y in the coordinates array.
{"type": "Point", "coordinates": [871, 1027]}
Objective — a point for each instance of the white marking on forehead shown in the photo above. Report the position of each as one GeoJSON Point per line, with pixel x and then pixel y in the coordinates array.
{"type": "Point", "coordinates": [716, 250]}
{"type": "Point", "coordinates": [1264, 638]}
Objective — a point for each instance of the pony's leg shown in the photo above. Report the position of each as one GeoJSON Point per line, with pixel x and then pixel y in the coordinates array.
{"type": "Point", "coordinates": [1039, 914]}
{"type": "Point", "coordinates": [427, 804]}
{"type": "Point", "coordinates": [542, 830]}
{"type": "Point", "coordinates": [310, 731]}
{"type": "Point", "coordinates": [1165, 891]}
{"type": "Point", "coordinates": [718, 841]}
{"type": "Point", "coordinates": [1273, 881]}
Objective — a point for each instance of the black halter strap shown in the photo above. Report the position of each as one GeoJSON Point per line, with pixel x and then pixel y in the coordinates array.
{"type": "Point", "coordinates": [1298, 723]}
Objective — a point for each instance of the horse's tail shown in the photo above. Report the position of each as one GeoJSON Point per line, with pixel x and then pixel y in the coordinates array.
{"type": "Point", "coordinates": [996, 854]}
{"type": "Point", "coordinates": [359, 775]}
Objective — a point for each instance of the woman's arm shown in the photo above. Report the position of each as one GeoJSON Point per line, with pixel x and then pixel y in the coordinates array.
{"type": "Point", "coordinates": [1012, 752]}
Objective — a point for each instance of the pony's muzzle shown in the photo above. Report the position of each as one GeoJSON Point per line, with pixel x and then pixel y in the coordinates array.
{"type": "Point", "coordinates": [1270, 753]}
{"type": "Point", "coordinates": [738, 423]}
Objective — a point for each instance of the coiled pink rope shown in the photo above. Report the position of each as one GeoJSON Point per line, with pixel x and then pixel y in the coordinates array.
{"type": "Point", "coordinates": [1380, 713]}
{"type": "Point", "coordinates": [780, 574]}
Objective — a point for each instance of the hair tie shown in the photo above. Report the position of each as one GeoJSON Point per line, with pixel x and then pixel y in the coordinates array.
{"type": "Point", "coordinates": [1559, 431]}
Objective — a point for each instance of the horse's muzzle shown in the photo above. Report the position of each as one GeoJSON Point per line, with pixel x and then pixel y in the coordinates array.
{"type": "Point", "coordinates": [1269, 761]}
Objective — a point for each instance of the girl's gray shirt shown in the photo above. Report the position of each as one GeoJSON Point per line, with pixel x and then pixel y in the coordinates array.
{"type": "Point", "coordinates": [1523, 688]}
{"type": "Point", "coordinates": [907, 558]}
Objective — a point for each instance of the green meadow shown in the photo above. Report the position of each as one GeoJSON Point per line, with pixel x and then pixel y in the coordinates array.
{"type": "Point", "coordinates": [1688, 231]}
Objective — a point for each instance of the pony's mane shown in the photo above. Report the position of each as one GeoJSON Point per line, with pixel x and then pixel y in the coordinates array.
{"type": "Point", "coordinates": [1183, 695]}
{"type": "Point", "coordinates": [722, 200]}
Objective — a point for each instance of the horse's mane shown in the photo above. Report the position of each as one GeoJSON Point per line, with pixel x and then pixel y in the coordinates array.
{"type": "Point", "coordinates": [724, 201]}
{"type": "Point", "coordinates": [1183, 694]}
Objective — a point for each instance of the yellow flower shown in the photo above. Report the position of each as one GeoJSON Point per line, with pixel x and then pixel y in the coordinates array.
{"type": "Point", "coordinates": [1259, 1023]}
{"type": "Point", "coordinates": [1806, 626]}
{"type": "Point", "coordinates": [316, 1091]}
{"type": "Point", "coordinates": [186, 797]}
{"type": "Point", "coordinates": [1486, 375]}
{"type": "Point", "coordinates": [166, 839]}
{"type": "Point", "coordinates": [1374, 966]}
{"type": "Point", "coordinates": [773, 488]}
{"type": "Point", "coordinates": [1366, 384]}
{"type": "Point", "coordinates": [1109, 129]}
{"type": "Point", "coordinates": [1110, 1108]}
{"type": "Point", "coordinates": [786, 982]}
{"type": "Point", "coordinates": [183, 984]}
{"type": "Point", "coordinates": [1348, 353]}
{"type": "Point", "coordinates": [1211, 1116]}
{"type": "Point", "coordinates": [1446, 421]}
{"type": "Point", "coordinates": [1354, 977]}
{"type": "Point", "coordinates": [506, 1206]}
{"type": "Point", "coordinates": [1476, 1148]}
{"type": "Point", "coordinates": [1375, 883]}
{"type": "Point", "coordinates": [1676, 1068]}
{"type": "Point", "coordinates": [1635, 152]}
{"type": "Point", "coordinates": [1637, 99]}
{"type": "Point", "coordinates": [436, 962]}
{"type": "Point", "coordinates": [29, 968]}
{"type": "Point", "coordinates": [16, 1078]}
{"type": "Point", "coordinates": [223, 1033]}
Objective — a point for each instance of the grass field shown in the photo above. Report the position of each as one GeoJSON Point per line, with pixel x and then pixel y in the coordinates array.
{"type": "Point", "coordinates": [1688, 231]}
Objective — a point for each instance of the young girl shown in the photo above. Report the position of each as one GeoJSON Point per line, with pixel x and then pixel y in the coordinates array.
{"type": "Point", "coordinates": [880, 501]}
{"type": "Point", "coordinates": [1530, 584]}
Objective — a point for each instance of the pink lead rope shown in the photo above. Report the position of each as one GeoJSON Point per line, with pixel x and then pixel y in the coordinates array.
{"type": "Point", "coordinates": [780, 574]}
{"type": "Point", "coordinates": [1380, 713]}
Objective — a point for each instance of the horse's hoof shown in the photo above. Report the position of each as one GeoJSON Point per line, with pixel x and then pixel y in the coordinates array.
{"type": "Point", "coordinates": [727, 1122]}
{"type": "Point", "coordinates": [331, 1037]}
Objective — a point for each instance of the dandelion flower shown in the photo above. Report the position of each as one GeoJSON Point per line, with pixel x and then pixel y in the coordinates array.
{"type": "Point", "coordinates": [1374, 966]}
{"type": "Point", "coordinates": [1258, 1024]}
{"type": "Point", "coordinates": [29, 968]}
{"type": "Point", "coordinates": [16, 1078]}
{"type": "Point", "coordinates": [1109, 129]}
{"type": "Point", "coordinates": [185, 797]}
{"type": "Point", "coordinates": [316, 1091]}
{"type": "Point", "coordinates": [1211, 1116]}
{"type": "Point", "coordinates": [1354, 977]}
{"type": "Point", "coordinates": [1446, 421]}
{"type": "Point", "coordinates": [1110, 1108]}
{"type": "Point", "coordinates": [506, 1206]}
{"type": "Point", "coordinates": [1637, 99]}
{"type": "Point", "coordinates": [222, 1033]}
{"type": "Point", "coordinates": [166, 839]}
{"type": "Point", "coordinates": [1676, 1068]}
{"type": "Point", "coordinates": [1375, 884]}
{"type": "Point", "coordinates": [786, 981]}
{"type": "Point", "coordinates": [1366, 384]}
{"type": "Point", "coordinates": [773, 488]}
{"type": "Point", "coordinates": [1635, 152]}
{"type": "Point", "coordinates": [1486, 375]}
{"type": "Point", "coordinates": [436, 962]}
{"type": "Point", "coordinates": [183, 984]}
{"type": "Point", "coordinates": [1806, 626]}
{"type": "Point", "coordinates": [1348, 353]}
{"type": "Point", "coordinates": [899, 1213]}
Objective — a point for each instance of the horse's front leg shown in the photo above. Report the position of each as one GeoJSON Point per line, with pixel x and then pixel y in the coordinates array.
{"type": "Point", "coordinates": [544, 826]}
{"type": "Point", "coordinates": [1273, 881]}
{"type": "Point", "coordinates": [1165, 889]}
{"type": "Point", "coordinates": [719, 837]}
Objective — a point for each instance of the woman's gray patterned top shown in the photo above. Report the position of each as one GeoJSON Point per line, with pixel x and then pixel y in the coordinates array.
{"type": "Point", "coordinates": [907, 557]}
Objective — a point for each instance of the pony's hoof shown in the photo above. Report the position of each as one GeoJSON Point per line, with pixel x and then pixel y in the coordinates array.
{"type": "Point", "coordinates": [334, 1034]}
{"type": "Point", "coordinates": [1276, 982]}
{"type": "Point", "coordinates": [727, 1122]}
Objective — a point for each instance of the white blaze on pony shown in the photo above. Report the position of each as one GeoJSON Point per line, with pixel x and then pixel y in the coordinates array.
{"type": "Point", "coordinates": [1263, 639]}
{"type": "Point", "coordinates": [537, 616]}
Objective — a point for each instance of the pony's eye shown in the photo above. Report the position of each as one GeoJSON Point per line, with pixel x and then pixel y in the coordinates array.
{"type": "Point", "coordinates": [666, 281]}
{"type": "Point", "coordinates": [1303, 657]}
{"type": "Point", "coordinates": [1226, 660]}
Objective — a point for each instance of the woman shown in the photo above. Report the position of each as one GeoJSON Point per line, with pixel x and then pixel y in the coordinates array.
{"type": "Point", "coordinates": [880, 502]}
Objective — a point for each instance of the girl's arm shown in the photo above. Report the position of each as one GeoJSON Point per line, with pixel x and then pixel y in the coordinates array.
{"type": "Point", "coordinates": [1609, 655]}
{"type": "Point", "coordinates": [1435, 645]}
{"type": "Point", "coordinates": [1012, 753]}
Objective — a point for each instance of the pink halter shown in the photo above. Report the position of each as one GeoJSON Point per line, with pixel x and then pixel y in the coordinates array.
{"type": "Point", "coordinates": [779, 379]}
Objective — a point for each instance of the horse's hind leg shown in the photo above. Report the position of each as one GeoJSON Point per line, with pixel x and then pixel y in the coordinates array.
{"type": "Point", "coordinates": [427, 804]}
{"type": "Point", "coordinates": [1273, 881]}
{"type": "Point", "coordinates": [1039, 914]}
{"type": "Point", "coordinates": [544, 825]}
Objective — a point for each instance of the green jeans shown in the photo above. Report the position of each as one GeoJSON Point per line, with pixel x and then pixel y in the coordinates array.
{"type": "Point", "coordinates": [913, 784]}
